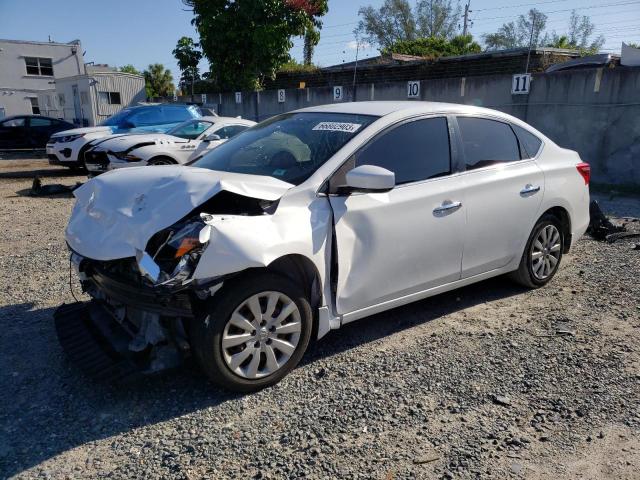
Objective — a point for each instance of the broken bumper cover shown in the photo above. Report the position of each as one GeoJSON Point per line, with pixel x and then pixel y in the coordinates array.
{"type": "Point", "coordinates": [95, 342]}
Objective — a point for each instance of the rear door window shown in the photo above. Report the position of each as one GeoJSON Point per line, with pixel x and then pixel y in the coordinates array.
{"type": "Point", "coordinates": [414, 151]}
{"type": "Point", "coordinates": [487, 142]}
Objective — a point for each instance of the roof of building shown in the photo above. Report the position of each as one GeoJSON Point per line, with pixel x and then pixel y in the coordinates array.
{"type": "Point", "coordinates": [35, 42]}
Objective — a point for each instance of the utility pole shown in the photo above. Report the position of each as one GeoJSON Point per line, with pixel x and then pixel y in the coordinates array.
{"type": "Point", "coordinates": [465, 27]}
{"type": "Point", "coordinates": [533, 27]}
{"type": "Point", "coordinates": [355, 71]}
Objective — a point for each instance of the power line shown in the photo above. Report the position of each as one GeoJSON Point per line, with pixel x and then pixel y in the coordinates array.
{"type": "Point", "coordinates": [590, 7]}
{"type": "Point", "coordinates": [516, 6]}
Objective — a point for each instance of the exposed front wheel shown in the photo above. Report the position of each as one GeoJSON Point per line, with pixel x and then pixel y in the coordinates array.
{"type": "Point", "coordinates": [255, 331]}
{"type": "Point", "coordinates": [542, 255]}
{"type": "Point", "coordinates": [162, 161]}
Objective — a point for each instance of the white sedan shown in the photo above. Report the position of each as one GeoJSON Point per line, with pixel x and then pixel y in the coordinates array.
{"type": "Point", "coordinates": [182, 144]}
{"type": "Point", "coordinates": [308, 221]}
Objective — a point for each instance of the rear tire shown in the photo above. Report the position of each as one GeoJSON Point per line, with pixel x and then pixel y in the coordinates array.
{"type": "Point", "coordinates": [542, 255]}
{"type": "Point", "coordinates": [244, 351]}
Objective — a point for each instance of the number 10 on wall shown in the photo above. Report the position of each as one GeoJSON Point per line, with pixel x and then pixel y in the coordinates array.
{"type": "Point", "coordinates": [520, 84]}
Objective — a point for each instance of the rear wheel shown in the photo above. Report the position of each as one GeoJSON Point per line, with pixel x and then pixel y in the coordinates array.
{"type": "Point", "coordinates": [255, 331]}
{"type": "Point", "coordinates": [543, 253]}
{"type": "Point", "coordinates": [162, 161]}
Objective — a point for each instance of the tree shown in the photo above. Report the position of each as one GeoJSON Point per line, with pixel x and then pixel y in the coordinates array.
{"type": "Point", "coordinates": [438, 18]}
{"type": "Point", "coordinates": [311, 39]}
{"type": "Point", "coordinates": [395, 21]}
{"type": "Point", "coordinates": [188, 56]}
{"type": "Point", "coordinates": [434, 47]}
{"type": "Point", "coordinates": [130, 69]}
{"type": "Point", "coordinates": [158, 81]}
{"type": "Point", "coordinates": [247, 41]}
{"type": "Point", "coordinates": [578, 36]}
{"type": "Point", "coordinates": [518, 34]}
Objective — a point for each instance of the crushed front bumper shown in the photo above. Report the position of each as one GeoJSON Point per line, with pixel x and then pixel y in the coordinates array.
{"type": "Point", "coordinates": [95, 342]}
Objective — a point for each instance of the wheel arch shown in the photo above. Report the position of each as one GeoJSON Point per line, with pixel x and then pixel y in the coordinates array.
{"type": "Point", "coordinates": [163, 156]}
{"type": "Point", "coordinates": [562, 214]}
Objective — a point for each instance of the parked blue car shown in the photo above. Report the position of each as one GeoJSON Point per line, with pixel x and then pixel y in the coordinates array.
{"type": "Point", "coordinates": [67, 148]}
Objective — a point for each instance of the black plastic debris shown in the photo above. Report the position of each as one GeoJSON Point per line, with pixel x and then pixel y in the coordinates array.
{"type": "Point", "coordinates": [39, 190]}
{"type": "Point", "coordinates": [600, 227]}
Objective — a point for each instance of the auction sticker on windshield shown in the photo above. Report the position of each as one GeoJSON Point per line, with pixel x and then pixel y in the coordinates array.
{"type": "Point", "coordinates": [338, 127]}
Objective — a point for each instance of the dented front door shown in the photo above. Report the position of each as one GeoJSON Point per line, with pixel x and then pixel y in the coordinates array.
{"type": "Point", "coordinates": [397, 243]}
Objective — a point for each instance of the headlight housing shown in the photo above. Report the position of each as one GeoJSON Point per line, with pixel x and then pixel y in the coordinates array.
{"type": "Point", "coordinates": [177, 249]}
{"type": "Point", "coordinates": [126, 156]}
{"type": "Point", "coordinates": [66, 138]}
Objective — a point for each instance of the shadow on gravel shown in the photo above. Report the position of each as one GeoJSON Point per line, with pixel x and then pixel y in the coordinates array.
{"type": "Point", "coordinates": [47, 407]}
{"type": "Point", "coordinates": [42, 172]}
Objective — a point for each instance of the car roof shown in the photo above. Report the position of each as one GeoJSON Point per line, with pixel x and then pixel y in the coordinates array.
{"type": "Point", "coordinates": [382, 108]}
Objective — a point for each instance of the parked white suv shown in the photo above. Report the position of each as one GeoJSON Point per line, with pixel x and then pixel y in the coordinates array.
{"type": "Point", "coordinates": [308, 221]}
{"type": "Point", "coordinates": [182, 144]}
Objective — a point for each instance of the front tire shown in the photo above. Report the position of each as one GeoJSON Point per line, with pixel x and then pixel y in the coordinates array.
{"type": "Point", "coordinates": [542, 255]}
{"type": "Point", "coordinates": [254, 331]}
{"type": "Point", "coordinates": [161, 161]}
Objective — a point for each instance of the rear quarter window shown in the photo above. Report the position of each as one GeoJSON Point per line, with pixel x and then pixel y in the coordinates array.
{"type": "Point", "coordinates": [529, 143]}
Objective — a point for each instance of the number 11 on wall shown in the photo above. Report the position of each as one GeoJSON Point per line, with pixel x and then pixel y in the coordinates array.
{"type": "Point", "coordinates": [520, 84]}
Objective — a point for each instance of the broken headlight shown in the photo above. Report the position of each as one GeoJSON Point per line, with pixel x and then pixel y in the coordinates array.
{"type": "Point", "coordinates": [176, 251]}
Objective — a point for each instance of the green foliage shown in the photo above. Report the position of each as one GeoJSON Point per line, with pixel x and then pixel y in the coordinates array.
{"type": "Point", "coordinates": [188, 56]}
{"type": "Point", "coordinates": [311, 39]}
{"type": "Point", "coordinates": [633, 45]}
{"type": "Point", "coordinates": [517, 34]}
{"type": "Point", "coordinates": [158, 81]}
{"type": "Point", "coordinates": [294, 67]}
{"type": "Point", "coordinates": [434, 47]}
{"type": "Point", "coordinates": [130, 69]}
{"type": "Point", "coordinates": [395, 21]}
{"type": "Point", "coordinates": [247, 41]}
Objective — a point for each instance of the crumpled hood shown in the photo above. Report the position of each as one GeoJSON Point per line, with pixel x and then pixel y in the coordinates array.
{"type": "Point", "coordinates": [121, 143]}
{"type": "Point", "coordinates": [118, 212]}
{"type": "Point", "coordinates": [84, 130]}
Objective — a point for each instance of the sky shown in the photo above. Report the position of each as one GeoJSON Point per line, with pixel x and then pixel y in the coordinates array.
{"type": "Point", "coordinates": [141, 32]}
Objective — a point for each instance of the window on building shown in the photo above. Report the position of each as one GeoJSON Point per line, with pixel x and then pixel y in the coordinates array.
{"type": "Point", "coordinates": [109, 98]}
{"type": "Point", "coordinates": [35, 108]}
{"type": "Point", "coordinates": [39, 66]}
{"type": "Point", "coordinates": [414, 151]}
{"type": "Point", "coordinates": [487, 142]}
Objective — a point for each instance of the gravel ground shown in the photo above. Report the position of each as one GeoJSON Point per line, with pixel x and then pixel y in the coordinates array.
{"type": "Point", "coordinates": [490, 381]}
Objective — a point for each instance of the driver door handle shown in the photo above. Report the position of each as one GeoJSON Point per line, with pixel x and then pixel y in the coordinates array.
{"type": "Point", "coordinates": [446, 208]}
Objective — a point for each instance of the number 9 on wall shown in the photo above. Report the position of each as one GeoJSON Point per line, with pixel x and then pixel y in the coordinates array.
{"type": "Point", "coordinates": [520, 84]}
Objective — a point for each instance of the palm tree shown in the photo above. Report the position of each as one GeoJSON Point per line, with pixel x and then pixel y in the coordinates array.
{"type": "Point", "coordinates": [158, 81]}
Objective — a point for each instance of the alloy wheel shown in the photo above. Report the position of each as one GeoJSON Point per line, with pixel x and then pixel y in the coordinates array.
{"type": "Point", "coordinates": [545, 252]}
{"type": "Point", "coordinates": [261, 335]}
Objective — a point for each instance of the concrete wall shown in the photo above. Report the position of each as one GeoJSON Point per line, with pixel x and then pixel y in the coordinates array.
{"type": "Point", "coordinates": [593, 111]}
{"type": "Point", "coordinates": [16, 86]}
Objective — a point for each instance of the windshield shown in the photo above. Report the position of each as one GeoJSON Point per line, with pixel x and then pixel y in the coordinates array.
{"type": "Point", "coordinates": [117, 119]}
{"type": "Point", "coordinates": [288, 147]}
{"type": "Point", "coordinates": [190, 129]}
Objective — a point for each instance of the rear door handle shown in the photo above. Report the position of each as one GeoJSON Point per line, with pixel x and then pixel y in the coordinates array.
{"type": "Point", "coordinates": [530, 189]}
{"type": "Point", "coordinates": [446, 208]}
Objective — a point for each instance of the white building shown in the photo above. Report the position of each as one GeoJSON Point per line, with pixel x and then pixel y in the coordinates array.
{"type": "Point", "coordinates": [90, 98]}
{"type": "Point", "coordinates": [52, 79]}
{"type": "Point", "coordinates": [30, 68]}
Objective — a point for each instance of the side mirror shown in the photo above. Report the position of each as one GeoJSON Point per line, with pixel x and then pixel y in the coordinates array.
{"type": "Point", "coordinates": [212, 137]}
{"type": "Point", "coordinates": [369, 178]}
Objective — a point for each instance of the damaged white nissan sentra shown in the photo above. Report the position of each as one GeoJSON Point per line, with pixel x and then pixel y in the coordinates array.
{"type": "Point", "coordinates": [308, 221]}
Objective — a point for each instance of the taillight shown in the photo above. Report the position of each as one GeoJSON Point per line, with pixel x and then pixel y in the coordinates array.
{"type": "Point", "coordinates": [584, 169]}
